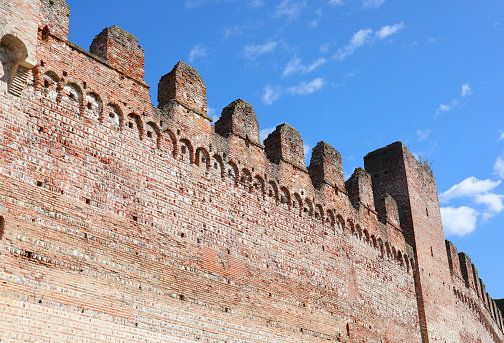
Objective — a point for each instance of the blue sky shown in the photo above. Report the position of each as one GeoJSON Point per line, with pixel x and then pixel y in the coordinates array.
{"type": "Point", "coordinates": [358, 74]}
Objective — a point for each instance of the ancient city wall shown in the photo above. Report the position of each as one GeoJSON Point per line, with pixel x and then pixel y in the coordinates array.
{"type": "Point", "coordinates": [125, 222]}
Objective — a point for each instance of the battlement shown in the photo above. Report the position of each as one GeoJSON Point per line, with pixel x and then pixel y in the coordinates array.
{"type": "Point", "coordinates": [107, 194]}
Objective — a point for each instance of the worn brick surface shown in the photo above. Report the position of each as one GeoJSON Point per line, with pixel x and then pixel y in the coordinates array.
{"type": "Point", "coordinates": [122, 222]}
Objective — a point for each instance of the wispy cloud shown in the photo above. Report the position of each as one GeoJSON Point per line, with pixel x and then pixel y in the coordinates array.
{"type": "Point", "coordinates": [314, 23]}
{"type": "Point", "coordinates": [359, 39]}
{"type": "Point", "coordinates": [389, 30]}
{"type": "Point", "coordinates": [289, 9]}
{"type": "Point", "coordinates": [255, 3]}
{"type": "Point", "coordinates": [466, 90]}
{"type": "Point", "coordinates": [367, 36]}
{"type": "Point", "coordinates": [336, 2]}
{"type": "Point", "coordinates": [273, 93]}
{"type": "Point", "coordinates": [423, 134]}
{"type": "Point", "coordinates": [252, 51]}
{"type": "Point", "coordinates": [232, 31]}
{"type": "Point", "coordinates": [307, 87]}
{"type": "Point", "coordinates": [372, 3]}
{"type": "Point", "coordinates": [295, 65]}
{"type": "Point", "coordinates": [197, 51]}
{"type": "Point", "coordinates": [499, 167]}
{"type": "Point", "coordinates": [456, 102]}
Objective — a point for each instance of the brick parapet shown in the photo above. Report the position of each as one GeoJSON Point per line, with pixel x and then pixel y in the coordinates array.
{"type": "Point", "coordinates": [102, 190]}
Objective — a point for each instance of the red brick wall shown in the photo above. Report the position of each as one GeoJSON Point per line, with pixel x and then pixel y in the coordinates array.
{"type": "Point", "coordinates": [122, 222]}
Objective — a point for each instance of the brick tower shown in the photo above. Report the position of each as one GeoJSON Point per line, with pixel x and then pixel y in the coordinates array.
{"type": "Point", "coordinates": [395, 171]}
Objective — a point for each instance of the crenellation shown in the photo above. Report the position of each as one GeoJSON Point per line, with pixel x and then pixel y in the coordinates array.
{"type": "Point", "coordinates": [106, 199]}
{"type": "Point", "coordinates": [326, 167]}
{"type": "Point", "coordinates": [453, 260]}
{"type": "Point", "coordinates": [285, 145]}
{"type": "Point", "coordinates": [359, 190]}
{"type": "Point", "coordinates": [239, 118]}
{"type": "Point", "coordinates": [121, 50]}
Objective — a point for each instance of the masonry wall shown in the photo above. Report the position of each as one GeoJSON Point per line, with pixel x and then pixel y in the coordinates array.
{"type": "Point", "coordinates": [124, 222]}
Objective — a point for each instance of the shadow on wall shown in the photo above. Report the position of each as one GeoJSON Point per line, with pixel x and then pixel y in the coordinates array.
{"type": "Point", "coordinates": [12, 53]}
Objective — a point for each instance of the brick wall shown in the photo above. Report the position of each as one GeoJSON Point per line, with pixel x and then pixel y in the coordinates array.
{"type": "Point", "coordinates": [124, 222]}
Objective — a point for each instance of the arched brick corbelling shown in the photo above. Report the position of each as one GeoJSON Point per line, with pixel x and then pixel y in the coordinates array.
{"type": "Point", "coordinates": [55, 81]}
{"type": "Point", "coordinates": [340, 222]}
{"type": "Point", "coordinates": [138, 121]}
{"type": "Point", "coordinates": [273, 191]}
{"type": "Point", "coordinates": [366, 236]}
{"type": "Point", "coordinates": [174, 142]}
{"type": "Point", "coordinates": [308, 207]}
{"type": "Point", "coordinates": [319, 212]}
{"type": "Point", "coordinates": [157, 132]}
{"type": "Point", "coordinates": [91, 92]}
{"type": "Point", "coordinates": [399, 257]}
{"type": "Point", "coordinates": [298, 202]}
{"type": "Point", "coordinates": [217, 159]}
{"type": "Point", "coordinates": [201, 153]}
{"type": "Point", "coordinates": [351, 226]}
{"type": "Point", "coordinates": [387, 249]}
{"type": "Point", "coordinates": [72, 83]}
{"type": "Point", "coordinates": [233, 173]}
{"type": "Point", "coordinates": [286, 194]}
{"type": "Point", "coordinates": [373, 241]}
{"type": "Point", "coordinates": [51, 73]}
{"type": "Point", "coordinates": [259, 184]}
{"type": "Point", "coordinates": [120, 112]}
{"type": "Point", "coordinates": [189, 146]}
{"type": "Point", "coordinates": [245, 178]}
{"type": "Point", "coordinates": [330, 218]}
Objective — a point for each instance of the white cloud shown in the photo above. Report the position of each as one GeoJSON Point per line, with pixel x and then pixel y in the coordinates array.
{"type": "Point", "coordinates": [325, 47]}
{"type": "Point", "coordinates": [501, 134]}
{"type": "Point", "coordinates": [372, 3]}
{"type": "Point", "coordinates": [423, 134]}
{"type": "Point", "coordinates": [232, 31]}
{"type": "Point", "coordinates": [459, 221]}
{"type": "Point", "coordinates": [466, 90]}
{"type": "Point", "coordinates": [456, 102]}
{"type": "Point", "coordinates": [492, 201]}
{"type": "Point", "coordinates": [359, 38]}
{"type": "Point", "coordinates": [307, 87]}
{"type": "Point", "coordinates": [290, 9]}
{"type": "Point", "coordinates": [388, 30]}
{"type": "Point", "coordinates": [499, 167]}
{"type": "Point", "coordinates": [197, 51]}
{"type": "Point", "coordinates": [264, 133]}
{"type": "Point", "coordinates": [336, 2]}
{"type": "Point", "coordinates": [314, 23]}
{"type": "Point", "coordinates": [273, 93]}
{"type": "Point", "coordinates": [252, 51]}
{"type": "Point", "coordinates": [366, 36]}
{"type": "Point", "coordinates": [432, 40]}
{"type": "Point", "coordinates": [469, 187]}
{"type": "Point", "coordinates": [255, 3]}
{"type": "Point", "coordinates": [296, 65]}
